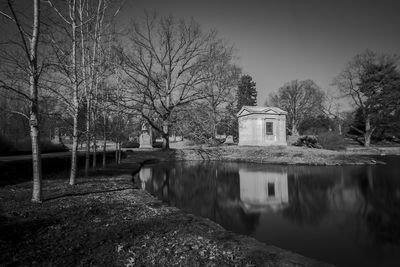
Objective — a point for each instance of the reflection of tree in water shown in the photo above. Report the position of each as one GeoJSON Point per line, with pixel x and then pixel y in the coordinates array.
{"type": "Point", "coordinates": [381, 190]}
{"type": "Point", "coordinates": [308, 194]}
{"type": "Point", "coordinates": [207, 189]}
{"type": "Point", "coordinates": [361, 198]}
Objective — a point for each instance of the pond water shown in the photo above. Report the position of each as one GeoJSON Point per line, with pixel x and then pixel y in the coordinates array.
{"type": "Point", "coordinates": [348, 216]}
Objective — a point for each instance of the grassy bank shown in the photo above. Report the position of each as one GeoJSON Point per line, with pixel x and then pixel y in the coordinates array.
{"type": "Point", "coordinates": [105, 221]}
{"type": "Point", "coordinates": [277, 155]}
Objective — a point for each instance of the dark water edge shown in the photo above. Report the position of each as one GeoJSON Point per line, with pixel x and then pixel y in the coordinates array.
{"type": "Point", "coordinates": [346, 215]}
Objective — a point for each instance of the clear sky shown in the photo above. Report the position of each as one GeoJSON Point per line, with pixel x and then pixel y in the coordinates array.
{"type": "Point", "coordinates": [278, 41]}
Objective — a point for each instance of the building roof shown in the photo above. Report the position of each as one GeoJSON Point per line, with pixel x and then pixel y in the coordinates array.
{"type": "Point", "coordinates": [245, 110]}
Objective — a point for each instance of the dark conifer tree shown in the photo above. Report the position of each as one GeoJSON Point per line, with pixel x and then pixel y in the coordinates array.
{"type": "Point", "coordinates": [247, 92]}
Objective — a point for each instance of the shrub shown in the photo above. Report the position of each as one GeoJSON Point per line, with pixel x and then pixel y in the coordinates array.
{"type": "Point", "coordinates": [49, 147]}
{"type": "Point", "coordinates": [130, 144]}
{"type": "Point", "coordinates": [307, 141]}
{"type": "Point", "coordinates": [331, 140]}
{"type": "Point", "coordinates": [157, 144]}
{"type": "Point", "coordinates": [5, 146]}
{"type": "Point", "coordinates": [24, 147]}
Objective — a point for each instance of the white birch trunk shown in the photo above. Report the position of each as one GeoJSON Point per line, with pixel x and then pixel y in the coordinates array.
{"type": "Point", "coordinates": [34, 112]}
{"type": "Point", "coordinates": [75, 85]}
{"type": "Point", "coordinates": [87, 151]}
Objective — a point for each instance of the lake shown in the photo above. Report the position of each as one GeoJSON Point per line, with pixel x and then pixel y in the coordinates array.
{"type": "Point", "coordinates": [342, 215]}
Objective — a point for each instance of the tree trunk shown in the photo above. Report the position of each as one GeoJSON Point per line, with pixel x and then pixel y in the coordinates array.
{"type": "Point", "coordinates": [116, 151]}
{"type": "Point", "coordinates": [104, 153]}
{"type": "Point", "coordinates": [87, 152]}
{"type": "Point", "coordinates": [294, 129]}
{"type": "Point", "coordinates": [165, 144]}
{"type": "Point", "coordinates": [119, 152]}
{"type": "Point", "coordinates": [36, 158]}
{"type": "Point", "coordinates": [94, 137]}
{"type": "Point", "coordinates": [368, 131]}
{"type": "Point", "coordinates": [104, 140]}
{"type": "Point", "coordinates": [367, 139]}
{"type": "Point", "coordinates": [74, 155]}
{"type": "Point", "coordinates": [86, 90]}
{"type": "Point", "coordinates": [94, 153]}
{"type": "Point", "coordinates": [75, 96]}
{"type": "Point", "coordinates": [34, 121]}
{"type": "Point", "coordinates": [214, 126]}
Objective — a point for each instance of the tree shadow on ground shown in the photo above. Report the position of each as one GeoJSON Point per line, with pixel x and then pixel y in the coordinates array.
{"type": "Point", "coordinates": [86, 193]}
{"type": "Point", "coordinates": [53, 168]}
{"type": "Point", "coordinates": [208, 154]}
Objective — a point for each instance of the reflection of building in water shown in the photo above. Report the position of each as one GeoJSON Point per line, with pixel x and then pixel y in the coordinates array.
{"type": "Point", "coordinates": [145, 175]}
{"type": "Point", "coordinates": [263, 190]}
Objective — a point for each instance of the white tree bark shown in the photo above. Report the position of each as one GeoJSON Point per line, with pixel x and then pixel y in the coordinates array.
{"type": "Point", "coordinates": [75, 86]}
{"type": "Point", "coordinates": [30, 49]}
{"type": "Point", "coordinates": [34, 112]}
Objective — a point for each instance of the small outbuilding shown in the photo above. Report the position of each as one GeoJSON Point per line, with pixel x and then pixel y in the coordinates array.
{"type": "Point", "coordinates": [262, 126]}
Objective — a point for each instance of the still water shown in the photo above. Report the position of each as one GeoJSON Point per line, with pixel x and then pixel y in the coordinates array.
{"type": "Point", "coordinates": [349, 216]}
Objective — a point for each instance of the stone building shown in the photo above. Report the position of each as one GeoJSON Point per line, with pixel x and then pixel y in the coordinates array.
{"type": "Point", "coordinates": [261, 126]}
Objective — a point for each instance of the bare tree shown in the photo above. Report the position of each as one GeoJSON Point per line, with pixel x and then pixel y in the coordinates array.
{"type": "Point", "coordinates": [89, 58]}
{"type": "Point", "coordinates": [221, 87]}
{"type": "Point", "coordinates": [67, 63]}
{"type": "Point", "coordinates": [95, 38]}
{"type": "Point", "coordinates": [29, 45]}
{"type": "Point", "coordinates": [163, 67]}
{"type": "Point", "coordinates": [333, 110]}
{"type": "Point", "coordinates": [300, 99]}
{"type": "Point", "coordinates": [80, 61]}
{"type": "Point", "coordinates": [201, 120]}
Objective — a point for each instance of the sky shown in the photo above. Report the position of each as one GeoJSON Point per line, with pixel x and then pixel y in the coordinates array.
{"type": "Point", "coordinates": [279, 41]}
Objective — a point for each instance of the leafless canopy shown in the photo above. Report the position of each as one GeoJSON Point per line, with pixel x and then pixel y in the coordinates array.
{"type": "Point", "coordinates": [300, 99]}
{"type": "Point", "coordinates": [164, 65]}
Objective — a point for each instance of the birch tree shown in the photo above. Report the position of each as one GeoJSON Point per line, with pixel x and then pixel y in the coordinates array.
{"type": "Point", "coordinates": [89, 58]}
{"type": "Point", "coordinates": [68, 67]}
{"type": "Point", "coordinates": [28, 44]}
{"type": "Point", "coordinates": [95, 37]}
{"type": "Point", "coordinates": [79, 60]}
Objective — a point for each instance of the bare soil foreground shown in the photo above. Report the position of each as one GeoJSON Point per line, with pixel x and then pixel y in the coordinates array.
{"type": "Point", "coordinates": [105, 221]}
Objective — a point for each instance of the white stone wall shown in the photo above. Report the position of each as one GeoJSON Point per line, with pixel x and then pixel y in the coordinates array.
{"type": "Point", "coordinates": [252, 130]}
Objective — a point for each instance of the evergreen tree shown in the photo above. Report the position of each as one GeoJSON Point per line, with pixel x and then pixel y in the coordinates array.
{"type": "Point", "coordinates": [247, 92]}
